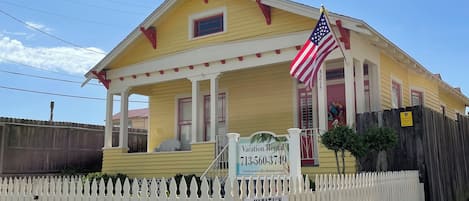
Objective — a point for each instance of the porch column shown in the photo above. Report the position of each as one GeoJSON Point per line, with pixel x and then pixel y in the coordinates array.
{"type": "Point", "coordinates": [374, 84]}
{"type": "Point", "coordinates": [322, 98]}
{"type": "Point", "coordinates": [360, 86]}
{"type": "Point", "coordinates": [213, 107]}
{"type": "Point", "coordinates": [195, 109]}
{"type": "Point", "coordinates": [349, 89]}
{"type": "Point", "coordinates": [124, 124]}
{"type": "Point", "coordinates": [108, 130]}
{"type": "Point", "coordinates": [314, 102]}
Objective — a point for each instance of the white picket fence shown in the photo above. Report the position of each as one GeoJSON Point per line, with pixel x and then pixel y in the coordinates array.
{"type": "Point", "coordinates": [387, 186]}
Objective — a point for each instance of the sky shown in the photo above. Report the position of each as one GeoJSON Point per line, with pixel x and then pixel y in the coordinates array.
{"type": "Point", "coordinates": [62, 40]}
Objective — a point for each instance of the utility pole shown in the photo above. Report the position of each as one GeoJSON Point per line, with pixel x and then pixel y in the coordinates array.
{"type": "Point", "coordinates": [51, 111]}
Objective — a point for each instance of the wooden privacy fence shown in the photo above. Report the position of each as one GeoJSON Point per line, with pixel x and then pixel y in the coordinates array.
{"type": "Point", "coordinates": [389, 186]}
{"type": "Point", "coordinates": [435, 145]}
{"type": "Point", "coordinates": [37, 147]}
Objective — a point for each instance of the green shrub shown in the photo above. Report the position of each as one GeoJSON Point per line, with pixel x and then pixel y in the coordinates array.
{"type": "Point", "coordinates": [341, 139]}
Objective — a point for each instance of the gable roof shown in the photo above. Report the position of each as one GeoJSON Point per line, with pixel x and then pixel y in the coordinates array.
{"type": "Point", "coordinates": [354, 24]}
{"type": "Point", "coordinates": [286, 5]}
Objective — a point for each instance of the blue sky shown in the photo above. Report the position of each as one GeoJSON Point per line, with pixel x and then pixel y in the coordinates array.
{"type": "Point", "coordinates": [432, 32]}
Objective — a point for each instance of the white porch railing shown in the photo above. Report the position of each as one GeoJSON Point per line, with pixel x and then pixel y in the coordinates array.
{"type": "Point", "coordinates": [389, 186]}
{"type": "Point", "coordinates": [309, 140]}
{"type": "Point", "coordinates": [219, 166]}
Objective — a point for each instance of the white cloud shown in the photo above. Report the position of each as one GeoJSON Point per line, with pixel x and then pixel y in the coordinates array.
{"type": "Point", "coordinates": [68, 59]}
{"type": "Point", "coordinates": [39, 26]}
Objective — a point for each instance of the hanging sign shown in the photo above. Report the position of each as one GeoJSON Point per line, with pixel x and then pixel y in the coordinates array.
{"type": "Point", "coordinates": [263, 154]}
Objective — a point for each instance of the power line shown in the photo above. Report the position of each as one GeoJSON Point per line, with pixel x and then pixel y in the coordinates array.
{"type": "Point", "coordinates": [133, 3]}
{"type": "Point", "coordinates": [58, 15]}
{"type": "Point", "coordinates": [103, 7]}
{"type": "Point", "coordinates": [43, 77]}
{"type": "Point", "coordinates": [63, 95]}
{"type": "Point", "coordinates": [46, 33]}
{"type": "Point", "coordinates": [37, 68]}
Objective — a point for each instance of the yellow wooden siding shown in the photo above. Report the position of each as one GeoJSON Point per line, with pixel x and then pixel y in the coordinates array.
{"type": "Point", "coordinates": [434, 95]}
{"type": "Point", "coordinates": [163, 109]}
{"type": "Point", "coordinates": [244, 21]}
{"type": "Point", "coordinates": [391, 70]}
{"type": "Point", "coordinates": [427, 86]}
{"type": "Point", "coordinates": [452, 104]}
{"type": "Point", "coordinates": [159, 164]}
{"type": "Point", "coordinates": [259, 99]}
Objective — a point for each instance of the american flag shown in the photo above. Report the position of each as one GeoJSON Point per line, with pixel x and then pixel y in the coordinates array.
{"type": "Point", "coordinates": [307, 62]}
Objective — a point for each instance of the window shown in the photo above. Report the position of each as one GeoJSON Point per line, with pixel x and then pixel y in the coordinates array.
{"type": "Point", "coordinates": [184, 123]}
{"type": "Point", "coordinates": [305, 108]}
{"type": "Point", "coordinates": [335, 74]}
{"type": "Point", "coordinates": [416, 97]}
{"type": "Point", "coordinates": [207, 23]}
{"type": "Point", "coordinates": [396, 100]}
{"type": "Point", "coordinates": [221, 107]}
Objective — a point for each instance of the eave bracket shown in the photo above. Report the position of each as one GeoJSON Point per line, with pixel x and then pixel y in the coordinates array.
{"type": "Point", "coordinates": [266, 10]}
{"type": "Point", "coordinates": [102, 78]}
{"type": "Point", "coordinates": [150, 33]}
{"type": "Point", "coordinates": [344, 34]}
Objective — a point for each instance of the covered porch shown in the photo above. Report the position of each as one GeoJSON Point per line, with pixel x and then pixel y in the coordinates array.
{"type": "Point", "coordinates": [240, 89]}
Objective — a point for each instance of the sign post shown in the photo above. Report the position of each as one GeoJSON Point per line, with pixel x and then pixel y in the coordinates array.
{"type": "Point", "coordinates": [233, 139]}
{"type": "Point", "coordinates": [295, 158]}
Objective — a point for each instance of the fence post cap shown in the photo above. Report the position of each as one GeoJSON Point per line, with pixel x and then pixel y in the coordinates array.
{"type": "Point", "coordinates": [233, 135]}
{"type": "Point", "coordinates": [294, 131]}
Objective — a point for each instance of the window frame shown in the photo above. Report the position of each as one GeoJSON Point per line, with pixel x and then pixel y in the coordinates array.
{"type": "Point", "coordinates": [178, 116]}
{"type": "Point", "coordinates": [413, 91]}
{"type": "Point", "coordinates": [399, 95]}
{"type": "Point", "coordinates": [207, 15]}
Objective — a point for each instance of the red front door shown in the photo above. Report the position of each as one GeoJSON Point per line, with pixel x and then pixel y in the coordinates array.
{"type": "Point", "coordinates": [336, 104]}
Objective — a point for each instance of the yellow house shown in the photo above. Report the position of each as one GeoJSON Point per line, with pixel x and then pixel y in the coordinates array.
{"type": "Point", "coordinates": [210, 67]}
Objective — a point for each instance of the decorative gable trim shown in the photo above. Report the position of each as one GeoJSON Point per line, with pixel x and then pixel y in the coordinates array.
{"type": "Point", "coordinates": [150, 33]}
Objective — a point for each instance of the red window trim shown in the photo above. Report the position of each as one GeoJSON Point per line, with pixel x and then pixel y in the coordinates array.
{"type": "Point", "coordinates": [420, 95]}
{"type": "Point", "coordinates": [399, 96]}
{"type": "Point", "coordinates": [179, 124]}
{"type": "Point", "coordinates": [197, 21]}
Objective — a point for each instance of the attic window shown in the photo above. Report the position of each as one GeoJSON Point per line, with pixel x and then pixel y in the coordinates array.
{"type": "Point", "coordinates": [207, 23]}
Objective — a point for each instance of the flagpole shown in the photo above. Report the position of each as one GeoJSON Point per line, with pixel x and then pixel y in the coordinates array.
{"type": "Point", "coordinates": [323, 9]}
